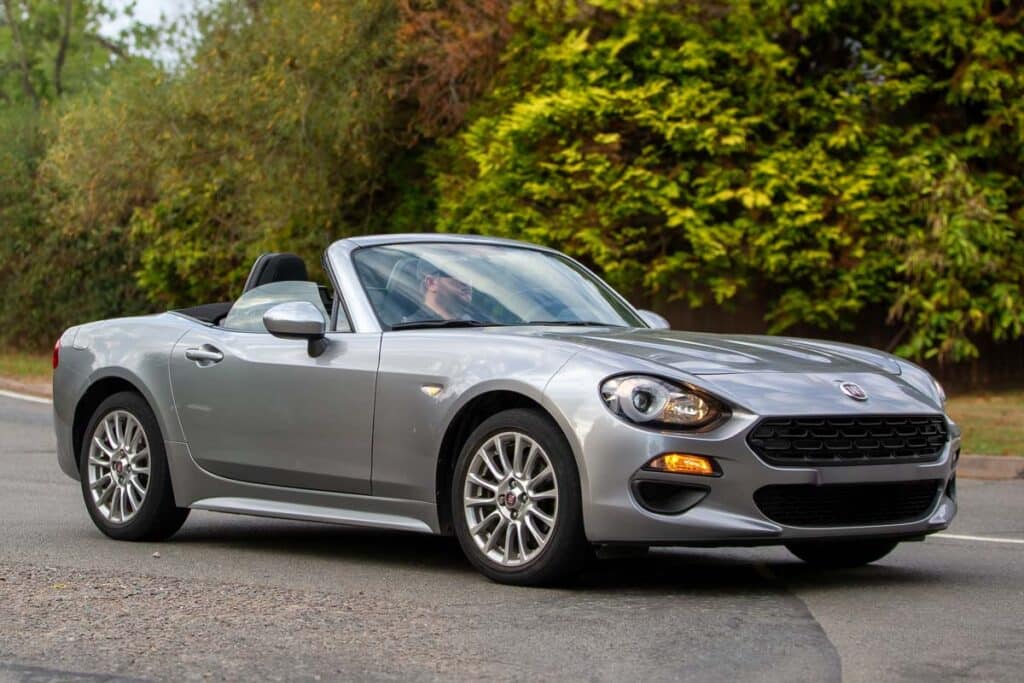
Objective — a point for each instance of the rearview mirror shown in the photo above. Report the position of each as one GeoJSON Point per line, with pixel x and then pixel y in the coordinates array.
{"type": "Point", "coordinates": [653, 320]}
{"type": "Point", "coordinates": [298, 320]}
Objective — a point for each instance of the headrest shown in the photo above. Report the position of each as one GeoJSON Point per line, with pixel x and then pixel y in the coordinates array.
{"type": "Point", "coordinates": [273, 267]}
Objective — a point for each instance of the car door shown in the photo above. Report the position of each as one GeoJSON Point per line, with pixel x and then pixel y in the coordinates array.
{"type": "Point", "coordinates": [257, 408]}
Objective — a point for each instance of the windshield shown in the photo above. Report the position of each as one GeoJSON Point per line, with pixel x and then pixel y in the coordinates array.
{"type": "Point", "coordinates": [449, 285]}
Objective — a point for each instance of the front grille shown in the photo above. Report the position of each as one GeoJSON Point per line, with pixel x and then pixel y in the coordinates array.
{"type": "Point", "coordinates": [847, 504]}
{"type": "Point", "coordinates": [848, 440]}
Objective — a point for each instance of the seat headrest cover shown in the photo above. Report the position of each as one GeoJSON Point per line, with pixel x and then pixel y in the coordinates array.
{"type": "Point", "coordinates": [274, 267]}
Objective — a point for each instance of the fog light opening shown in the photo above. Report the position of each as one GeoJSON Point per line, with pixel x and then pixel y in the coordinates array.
{"type": "Point", "coordinates": [683, 463]}
{"type": "Point", "coordinates": [666, 498]}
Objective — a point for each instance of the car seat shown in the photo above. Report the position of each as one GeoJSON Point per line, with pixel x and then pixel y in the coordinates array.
{"type": "Point", "coordinates": [275, 267]}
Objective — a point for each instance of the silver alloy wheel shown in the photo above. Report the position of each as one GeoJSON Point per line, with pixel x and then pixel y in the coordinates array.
{"type": "Point", "coordinates": [119, 466]}
{"type": "Point", "coordinates": [510, 498]}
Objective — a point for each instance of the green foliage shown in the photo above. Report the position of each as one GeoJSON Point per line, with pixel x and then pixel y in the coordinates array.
{"type": "Point", "coordinates": [283, 126]}
{"type": "Point", "coordinates": [834, 155]}
{"type": "Point", "coordinates": [50, 52]}
{"type": "Point", "coordinates": [20, 148]}
{"type": "Point", "coordinates": [48, 48]}
{"type": "Point", "coordinates": [272, 138]}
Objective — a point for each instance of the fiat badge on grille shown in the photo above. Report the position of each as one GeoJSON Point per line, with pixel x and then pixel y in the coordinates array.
{"type": "Point", "coordinates": [853, 391]}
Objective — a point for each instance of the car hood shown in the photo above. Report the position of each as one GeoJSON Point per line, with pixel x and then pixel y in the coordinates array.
{"type": "Point", "coordinates": [699, 353]}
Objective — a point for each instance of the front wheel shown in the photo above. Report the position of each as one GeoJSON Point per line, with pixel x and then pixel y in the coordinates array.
{"type": "Point", "coordinates": [841, 554]}
{"type": "Point", "coordinates": [123, 469]}
{"type": "Point", "coordinates": [516, 501]}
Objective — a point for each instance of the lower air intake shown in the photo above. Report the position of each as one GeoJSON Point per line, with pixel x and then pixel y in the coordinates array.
{"type": "Point", "coordinates": [847, 504]}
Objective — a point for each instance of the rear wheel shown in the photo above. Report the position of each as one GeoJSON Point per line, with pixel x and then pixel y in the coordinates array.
{"type": "Point", "coordinates": [123, 471]}
{"type": "Point", "coordinates": [841, 554]}
{"type": "Point", "coordinates": [516, 501]}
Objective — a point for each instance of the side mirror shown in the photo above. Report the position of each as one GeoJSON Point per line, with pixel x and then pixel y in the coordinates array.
{"type": "Point", "coordinates": [653, 320]}
{"type": "Point", "coordinates": [298, 320]}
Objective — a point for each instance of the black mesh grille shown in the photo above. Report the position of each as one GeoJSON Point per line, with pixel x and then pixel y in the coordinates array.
{"type": "Point", "coordinates": [862, 440]}
{"type": "Point", "coordinates": [847, 504]}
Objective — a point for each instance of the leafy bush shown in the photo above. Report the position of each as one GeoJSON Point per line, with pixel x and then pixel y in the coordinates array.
{"type": "Point", "coordinates": [274, 140]}
{"type": "Point", "coordinates": [52, 271]}
{"type": "Point", "coordinates": [291, 124]}
{"type": "Point", "coordinates": [835, 155]}
{"type": "Point", "coordinates": [271, 136]}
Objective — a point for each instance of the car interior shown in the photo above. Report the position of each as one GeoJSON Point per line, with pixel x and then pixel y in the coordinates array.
{"type": "Point", "coordinates": [393, 282]}
{"type": "Point", "coordinates": [394, 293]}
{"type": "Point", "coordinates": [269, 268]}
{"type": "Point", "coordinates": [393, 286]}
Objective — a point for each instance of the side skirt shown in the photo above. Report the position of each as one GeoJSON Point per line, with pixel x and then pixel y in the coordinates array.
{"type": "Point", "coordinates": [310, 513]}
{"type": "Point", "coordinates": [195, 487]}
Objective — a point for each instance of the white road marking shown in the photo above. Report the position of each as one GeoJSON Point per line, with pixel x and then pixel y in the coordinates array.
{"type": "Point", "coordinates": [25, 397]}
{"type": "Point", "coordinates": [983, 539]}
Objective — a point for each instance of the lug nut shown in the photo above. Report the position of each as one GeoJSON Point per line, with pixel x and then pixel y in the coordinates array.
{"type": "Point", "coordinates": [514, 514]}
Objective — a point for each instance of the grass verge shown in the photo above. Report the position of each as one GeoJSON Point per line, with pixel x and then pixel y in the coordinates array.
{"type": "Point", "coordinates": [993, 423]}
{"type": "Point", "coordinates": [25, 367]}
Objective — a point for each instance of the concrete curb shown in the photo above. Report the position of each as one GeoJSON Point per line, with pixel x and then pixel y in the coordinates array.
{"type": "Point", "coordinates": [991, 467]}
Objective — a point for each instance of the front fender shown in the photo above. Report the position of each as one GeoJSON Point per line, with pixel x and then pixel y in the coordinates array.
{"type": "Point", "coordinates": [426, 378]}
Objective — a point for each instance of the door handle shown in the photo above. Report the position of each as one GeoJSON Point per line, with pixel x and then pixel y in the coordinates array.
{"type": "Point", "coordinates": [204, 355]}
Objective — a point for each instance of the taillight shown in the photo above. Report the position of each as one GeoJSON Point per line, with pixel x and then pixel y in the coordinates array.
{"type": "Point", "coordinates": [56, 354]}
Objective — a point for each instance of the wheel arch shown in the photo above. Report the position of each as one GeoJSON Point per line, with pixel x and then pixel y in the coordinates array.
{"type": "Point", "coordinates": [97, 392]}
{"type": "Point", "coordinates": [468, 418]}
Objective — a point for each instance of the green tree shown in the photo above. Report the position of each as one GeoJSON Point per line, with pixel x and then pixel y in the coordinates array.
{"type": "Point", "coordinates": [835, 155]}
{"type": "Point", "coordinates": [50, 53]}
{"type": "Point", "coordinates": [271, 136]}
{"type": "Point", "coordinates": [274, 140]}
{"type": "Point", "coordinates": [51, 48]}
{"type": "Point", "coordinates": [285, 126]}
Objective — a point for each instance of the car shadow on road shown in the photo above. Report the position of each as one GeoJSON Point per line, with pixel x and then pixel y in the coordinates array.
{"type": "Point", "coordinates": [797, 575]}
{"type": "Point", "coordinates": [705, 571]}
{"type": "Point", "coordinates": [327, 542]}
{"type": "Point", "coordinates": [711, 571]}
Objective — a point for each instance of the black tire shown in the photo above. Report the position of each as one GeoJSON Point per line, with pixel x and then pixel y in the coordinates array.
{"type": "Point", "coordinates": [567, 550]}
{"type": "Point", "coordinates": [841, 554]}
{"type": "Point", "coordinates": [157, 518]}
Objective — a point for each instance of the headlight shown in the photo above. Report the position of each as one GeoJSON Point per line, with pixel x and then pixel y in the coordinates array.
{"type": "Point", "coordinates": [655, 402]}
{"type": "Point", "coordinates": [939, 391]}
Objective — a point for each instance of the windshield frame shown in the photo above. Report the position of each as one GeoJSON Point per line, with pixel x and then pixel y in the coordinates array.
{"type": "Point", "coordinates": [628, 313]}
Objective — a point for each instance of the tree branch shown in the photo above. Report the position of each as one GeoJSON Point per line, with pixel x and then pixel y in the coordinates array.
{"type": "Point", "coordinates": [110, 46]}
{"type": "Point", "coordinates": [62, 50]}
{"type": "Point", "coordinates": [26, 71]}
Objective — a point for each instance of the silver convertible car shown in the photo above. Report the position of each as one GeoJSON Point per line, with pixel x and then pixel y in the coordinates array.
{"type": "Point", "coordinates": [501, 392]}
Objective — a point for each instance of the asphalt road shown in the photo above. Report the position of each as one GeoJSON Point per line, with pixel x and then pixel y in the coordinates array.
{"type": "Point", "coordinates": [239, 598]}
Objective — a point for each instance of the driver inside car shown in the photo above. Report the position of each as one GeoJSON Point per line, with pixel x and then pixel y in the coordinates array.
{"type": "Point", "coordinates": [443, 296]}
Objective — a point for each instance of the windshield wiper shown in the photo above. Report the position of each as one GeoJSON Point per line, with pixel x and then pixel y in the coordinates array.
{"type": "Point", "coordinates": [572, 323]}
{"type": "Point", "coordinates": [436, 323]}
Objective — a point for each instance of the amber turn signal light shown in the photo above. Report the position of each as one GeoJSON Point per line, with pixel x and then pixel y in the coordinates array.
{"type": "Point", "coordinates": [683, 463]}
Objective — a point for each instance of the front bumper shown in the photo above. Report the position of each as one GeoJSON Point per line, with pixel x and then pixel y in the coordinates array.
{"type": "Point", "coordinates": [613, 453]}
